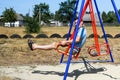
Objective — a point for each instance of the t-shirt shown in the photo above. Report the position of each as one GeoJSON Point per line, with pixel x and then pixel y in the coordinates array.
{"type": "Point", "coordinates": [82, 33]}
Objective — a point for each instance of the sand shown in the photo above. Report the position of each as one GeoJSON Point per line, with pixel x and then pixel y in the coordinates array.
{"type": "Point", "coordinates": [98, 71]}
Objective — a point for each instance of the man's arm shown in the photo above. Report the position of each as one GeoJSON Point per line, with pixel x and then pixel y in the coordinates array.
{"type": "Point", "coordinates": [70, 41]}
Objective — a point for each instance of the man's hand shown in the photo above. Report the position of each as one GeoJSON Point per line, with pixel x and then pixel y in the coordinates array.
{"type": "Point", "coordinates": [63, 43]}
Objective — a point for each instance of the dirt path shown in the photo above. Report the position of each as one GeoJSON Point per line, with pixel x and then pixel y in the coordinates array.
{"type": "Point", "coordinates": [49, 72]}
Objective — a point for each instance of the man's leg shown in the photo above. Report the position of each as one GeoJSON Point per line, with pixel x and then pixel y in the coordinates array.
{"type": "Point", "coordinates": [44, 47]}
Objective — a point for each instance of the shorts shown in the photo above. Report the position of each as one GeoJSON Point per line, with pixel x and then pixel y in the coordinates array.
{"type": "Point", "coordinates": [76, 51]}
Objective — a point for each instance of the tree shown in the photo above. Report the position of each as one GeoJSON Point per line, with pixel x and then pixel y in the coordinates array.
{"type": "Point", "coordinates": [104, 17]}
{"type": "Point", "coordinates": [52, 16]}
{"type": "Point", "coordinates": [41, 12]}
{"type": "Point", "coordinates": [65, 11]}
{"type": "Point", "coordinates": [111, 17]}
{"type": "Point", "coordinates": [9, 15]}
{"type": "Point", "coordinates": [32, 26]}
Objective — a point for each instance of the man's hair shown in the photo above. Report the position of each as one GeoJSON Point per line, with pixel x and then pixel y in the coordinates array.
{"type": "Point", "coordinates": [75, 18]}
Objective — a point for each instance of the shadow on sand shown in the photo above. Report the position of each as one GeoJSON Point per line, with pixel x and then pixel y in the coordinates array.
{"type": "Point", "coordinates": [89, 69]}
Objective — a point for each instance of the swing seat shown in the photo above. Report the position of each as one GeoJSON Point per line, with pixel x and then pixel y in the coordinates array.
{"type": "Point", "coordinates": [66, 52]}
{"type": "Point", "coordinates": [103, 50]}
{"type": "Point", "coordinates": [94, 54]}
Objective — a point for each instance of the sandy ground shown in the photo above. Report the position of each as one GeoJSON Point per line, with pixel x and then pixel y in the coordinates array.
{"type": "Point", "coordinates": [96, 71]}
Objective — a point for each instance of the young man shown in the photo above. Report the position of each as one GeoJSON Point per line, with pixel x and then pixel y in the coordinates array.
{"type": "Point", "coordinates": [80, 40]}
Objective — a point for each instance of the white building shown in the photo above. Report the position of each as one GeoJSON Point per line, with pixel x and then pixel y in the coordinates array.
{"type": "Point", "coordinates": [55, 23]}
{"type": "Point", "coordinates": [17, 23]}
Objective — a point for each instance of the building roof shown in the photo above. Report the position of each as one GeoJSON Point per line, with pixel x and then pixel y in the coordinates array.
{"type": "Point", "coordinates": [19, 17]}
{"type": "Point", "coordinates": [1, 17]}
{"type": "Point", "coordinates": [87, 17]}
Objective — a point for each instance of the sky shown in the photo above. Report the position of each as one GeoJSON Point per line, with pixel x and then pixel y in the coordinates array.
{"type": "Point", "coordinates": [25, 6]}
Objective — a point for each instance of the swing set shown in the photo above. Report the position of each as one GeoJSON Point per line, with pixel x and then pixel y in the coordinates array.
{"type": "Point", "coordinates": [97, 49]}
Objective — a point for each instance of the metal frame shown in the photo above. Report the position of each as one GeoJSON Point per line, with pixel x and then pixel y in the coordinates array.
{"type": "Point", "coordinates": [81, 14]}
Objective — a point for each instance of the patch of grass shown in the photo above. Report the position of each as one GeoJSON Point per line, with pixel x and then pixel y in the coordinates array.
{"type": "Point", "coordinates": [16, 51]}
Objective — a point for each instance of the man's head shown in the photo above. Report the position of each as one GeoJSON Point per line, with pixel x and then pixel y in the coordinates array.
{"type": "Point", "coordinates": [81, 23]}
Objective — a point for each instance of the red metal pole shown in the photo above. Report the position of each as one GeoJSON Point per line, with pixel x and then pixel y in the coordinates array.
{"type": "Point", "coordinates": [94, 27]}
{"type": "Point", "coordinates": [84, 9]}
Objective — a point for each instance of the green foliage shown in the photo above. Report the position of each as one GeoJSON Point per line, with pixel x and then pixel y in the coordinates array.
{"type": "Point", "coordinates": [9, 15]}
{"type": "Point", "coordinates": [109, 17]}
{"type": "Point", "coordinates": [65, 12]}
{"type": "Point", "coordinates": [32, 26]}
{"type": "Point", "coordinates": [41, 13]}
{"type": "Point", "coordinates": [104, 17]}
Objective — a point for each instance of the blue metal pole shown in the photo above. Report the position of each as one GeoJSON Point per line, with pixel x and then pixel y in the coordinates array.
{"type": "Point", "coordinates": [102, 26]}
{"type": "Point", "coordinates": [90, 61]}
{"type": "Point", "coordinates": [69, 32]}
{"type": "Point", "coordinates": [116, 10]}
{"type": "Point", "coordinates": [75, 35]}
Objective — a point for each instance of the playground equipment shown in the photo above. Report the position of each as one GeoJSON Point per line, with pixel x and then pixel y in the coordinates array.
{"type": "Point", "coordinates": [96, 47]}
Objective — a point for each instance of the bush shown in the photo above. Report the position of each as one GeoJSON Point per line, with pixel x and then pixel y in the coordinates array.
{"type": "Point", "coordinates": [32, 26]}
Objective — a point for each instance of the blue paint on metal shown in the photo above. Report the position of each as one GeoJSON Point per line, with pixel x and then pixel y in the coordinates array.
{"type": "Point", "coordinates": [75, 35]}
{"type": "Point", "coordinates": [69, 32]}
{"type": "Point", "coordinates": [102, 26]}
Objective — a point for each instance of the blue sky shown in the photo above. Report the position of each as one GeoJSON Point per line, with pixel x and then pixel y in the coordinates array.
{"type": "Point", "coordinates": [25, 6]}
